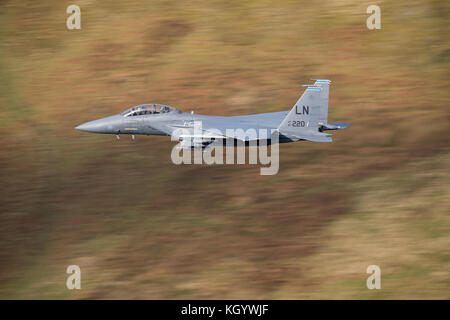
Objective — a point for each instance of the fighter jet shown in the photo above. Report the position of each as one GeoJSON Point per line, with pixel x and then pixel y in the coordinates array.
{"type": "Point", "coordinates": [307, 120]}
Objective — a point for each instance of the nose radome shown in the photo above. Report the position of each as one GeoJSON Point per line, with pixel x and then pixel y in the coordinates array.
{"type": "Point", "coordinates": [88, 127]}
{"type": "Point", "coordinates": [104, 125]}
{"type": "Point", "coordinates": [81, 127]}
{"type": "Point", "coordinates": [98, 126]}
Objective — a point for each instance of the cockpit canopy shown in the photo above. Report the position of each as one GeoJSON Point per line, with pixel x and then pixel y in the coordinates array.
{"type": "Point", "coordinates": [149, 108]}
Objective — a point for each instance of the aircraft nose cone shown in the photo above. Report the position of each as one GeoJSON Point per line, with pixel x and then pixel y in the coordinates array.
{"type": "Point", "coordinates": [96, 126]}
{"type": "Point", "coordinates": [88, 127]}
{"type": "Point", "coordinates": [105, 125]}
{"type": "Point", "coordinates": [81, 127]}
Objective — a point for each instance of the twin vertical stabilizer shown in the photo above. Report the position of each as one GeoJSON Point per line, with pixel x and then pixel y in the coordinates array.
{"type": "Point", "coordinates": [308, 114]}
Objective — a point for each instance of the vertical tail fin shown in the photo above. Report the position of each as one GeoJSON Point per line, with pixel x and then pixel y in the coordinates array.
{"type": "Point", "coordinates": [303, 121]}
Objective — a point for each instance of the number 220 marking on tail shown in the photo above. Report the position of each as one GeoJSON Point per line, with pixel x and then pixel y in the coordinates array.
{"type": "Point", "coordinates": [296, 123]}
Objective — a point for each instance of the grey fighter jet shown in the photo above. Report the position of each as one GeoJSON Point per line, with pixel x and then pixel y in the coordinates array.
{"type": "Point", "coordinates": [307, 120]}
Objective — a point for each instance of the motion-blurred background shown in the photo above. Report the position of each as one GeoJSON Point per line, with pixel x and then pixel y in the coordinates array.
{"type": "Point", "coordinates": [142, 227]}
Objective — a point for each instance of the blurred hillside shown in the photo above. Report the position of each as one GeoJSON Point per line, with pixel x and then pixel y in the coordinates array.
{"type": "Point", "coordinates": [142, 227]}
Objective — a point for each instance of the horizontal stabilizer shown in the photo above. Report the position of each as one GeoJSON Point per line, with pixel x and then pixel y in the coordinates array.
{"type": "Point", "coordinates": [316, 136]}
{"type": "Point", "coordinates": [336, 126]}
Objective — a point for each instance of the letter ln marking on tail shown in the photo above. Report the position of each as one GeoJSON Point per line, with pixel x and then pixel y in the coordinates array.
{"type": "Point", "coordinates": [305, 110]}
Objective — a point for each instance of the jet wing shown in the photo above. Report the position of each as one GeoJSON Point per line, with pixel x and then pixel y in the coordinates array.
{"type": "Point", "coordinates": [242, 130]}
